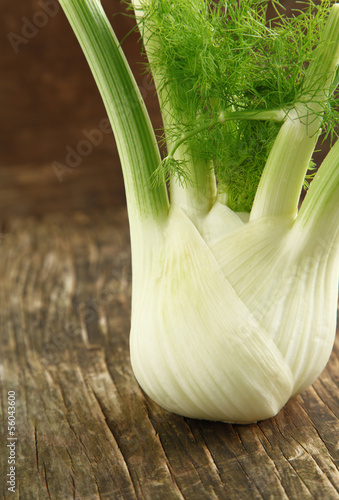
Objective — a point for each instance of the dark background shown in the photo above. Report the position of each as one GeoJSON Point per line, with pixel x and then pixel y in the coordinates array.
{"type": "Point", "coordinates": [47, 99]}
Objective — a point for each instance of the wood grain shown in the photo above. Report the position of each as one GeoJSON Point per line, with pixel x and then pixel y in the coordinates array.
{"type": "Point", "coordinates": [84, 428]}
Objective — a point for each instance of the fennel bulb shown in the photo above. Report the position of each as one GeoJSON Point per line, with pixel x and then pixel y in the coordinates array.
{"type": "Point", "coordinates": [235, 290]}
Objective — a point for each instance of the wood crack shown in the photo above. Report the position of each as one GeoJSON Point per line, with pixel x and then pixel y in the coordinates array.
{"type": "Point", "coordinates": [167, 460]}
{"type": "Point", "coordinates": [86, 430]}
{"type": "Point", "coordinates": [242, 466]}
{"type": "Point", "coordinates": [36, 448]}
{"type": "Point", "coordinates": [315, 457]}
{"type": "Point", "coordinates": [46, 481]}
{"type": "Point", "coordinates": [102, 409]}
{"type": "Point", "coordinates": [290, 461]}
{"type": "Point", "coordinates": [274, 465]}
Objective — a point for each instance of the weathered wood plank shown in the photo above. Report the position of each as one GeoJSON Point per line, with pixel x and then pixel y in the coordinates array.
{"type": "Point", "coordinates": [84, 428]}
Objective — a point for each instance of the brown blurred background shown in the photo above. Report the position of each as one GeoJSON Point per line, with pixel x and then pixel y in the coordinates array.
{"type": "Point", "coordinates": [48, 98]}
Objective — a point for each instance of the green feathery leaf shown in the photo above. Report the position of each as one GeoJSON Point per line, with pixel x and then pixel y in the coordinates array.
{"type": "Point", "coordinates": [221, 56]}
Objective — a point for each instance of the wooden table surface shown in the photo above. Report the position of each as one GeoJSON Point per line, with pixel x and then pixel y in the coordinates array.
{"type": "Point", "coordinates": [84, 428]}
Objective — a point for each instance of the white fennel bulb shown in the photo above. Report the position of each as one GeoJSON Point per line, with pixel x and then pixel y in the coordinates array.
{"type": "Point", "coordinates": [235, 288]}
{"type": "Point", "coordinates": [230, 328]}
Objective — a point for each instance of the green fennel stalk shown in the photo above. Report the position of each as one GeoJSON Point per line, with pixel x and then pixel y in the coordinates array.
{"type": "Point", "coordinates": [234, 292]}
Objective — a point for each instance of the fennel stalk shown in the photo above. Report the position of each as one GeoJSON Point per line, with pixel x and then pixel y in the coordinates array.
{"type": "Point", "coordinates": [234, 290]}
